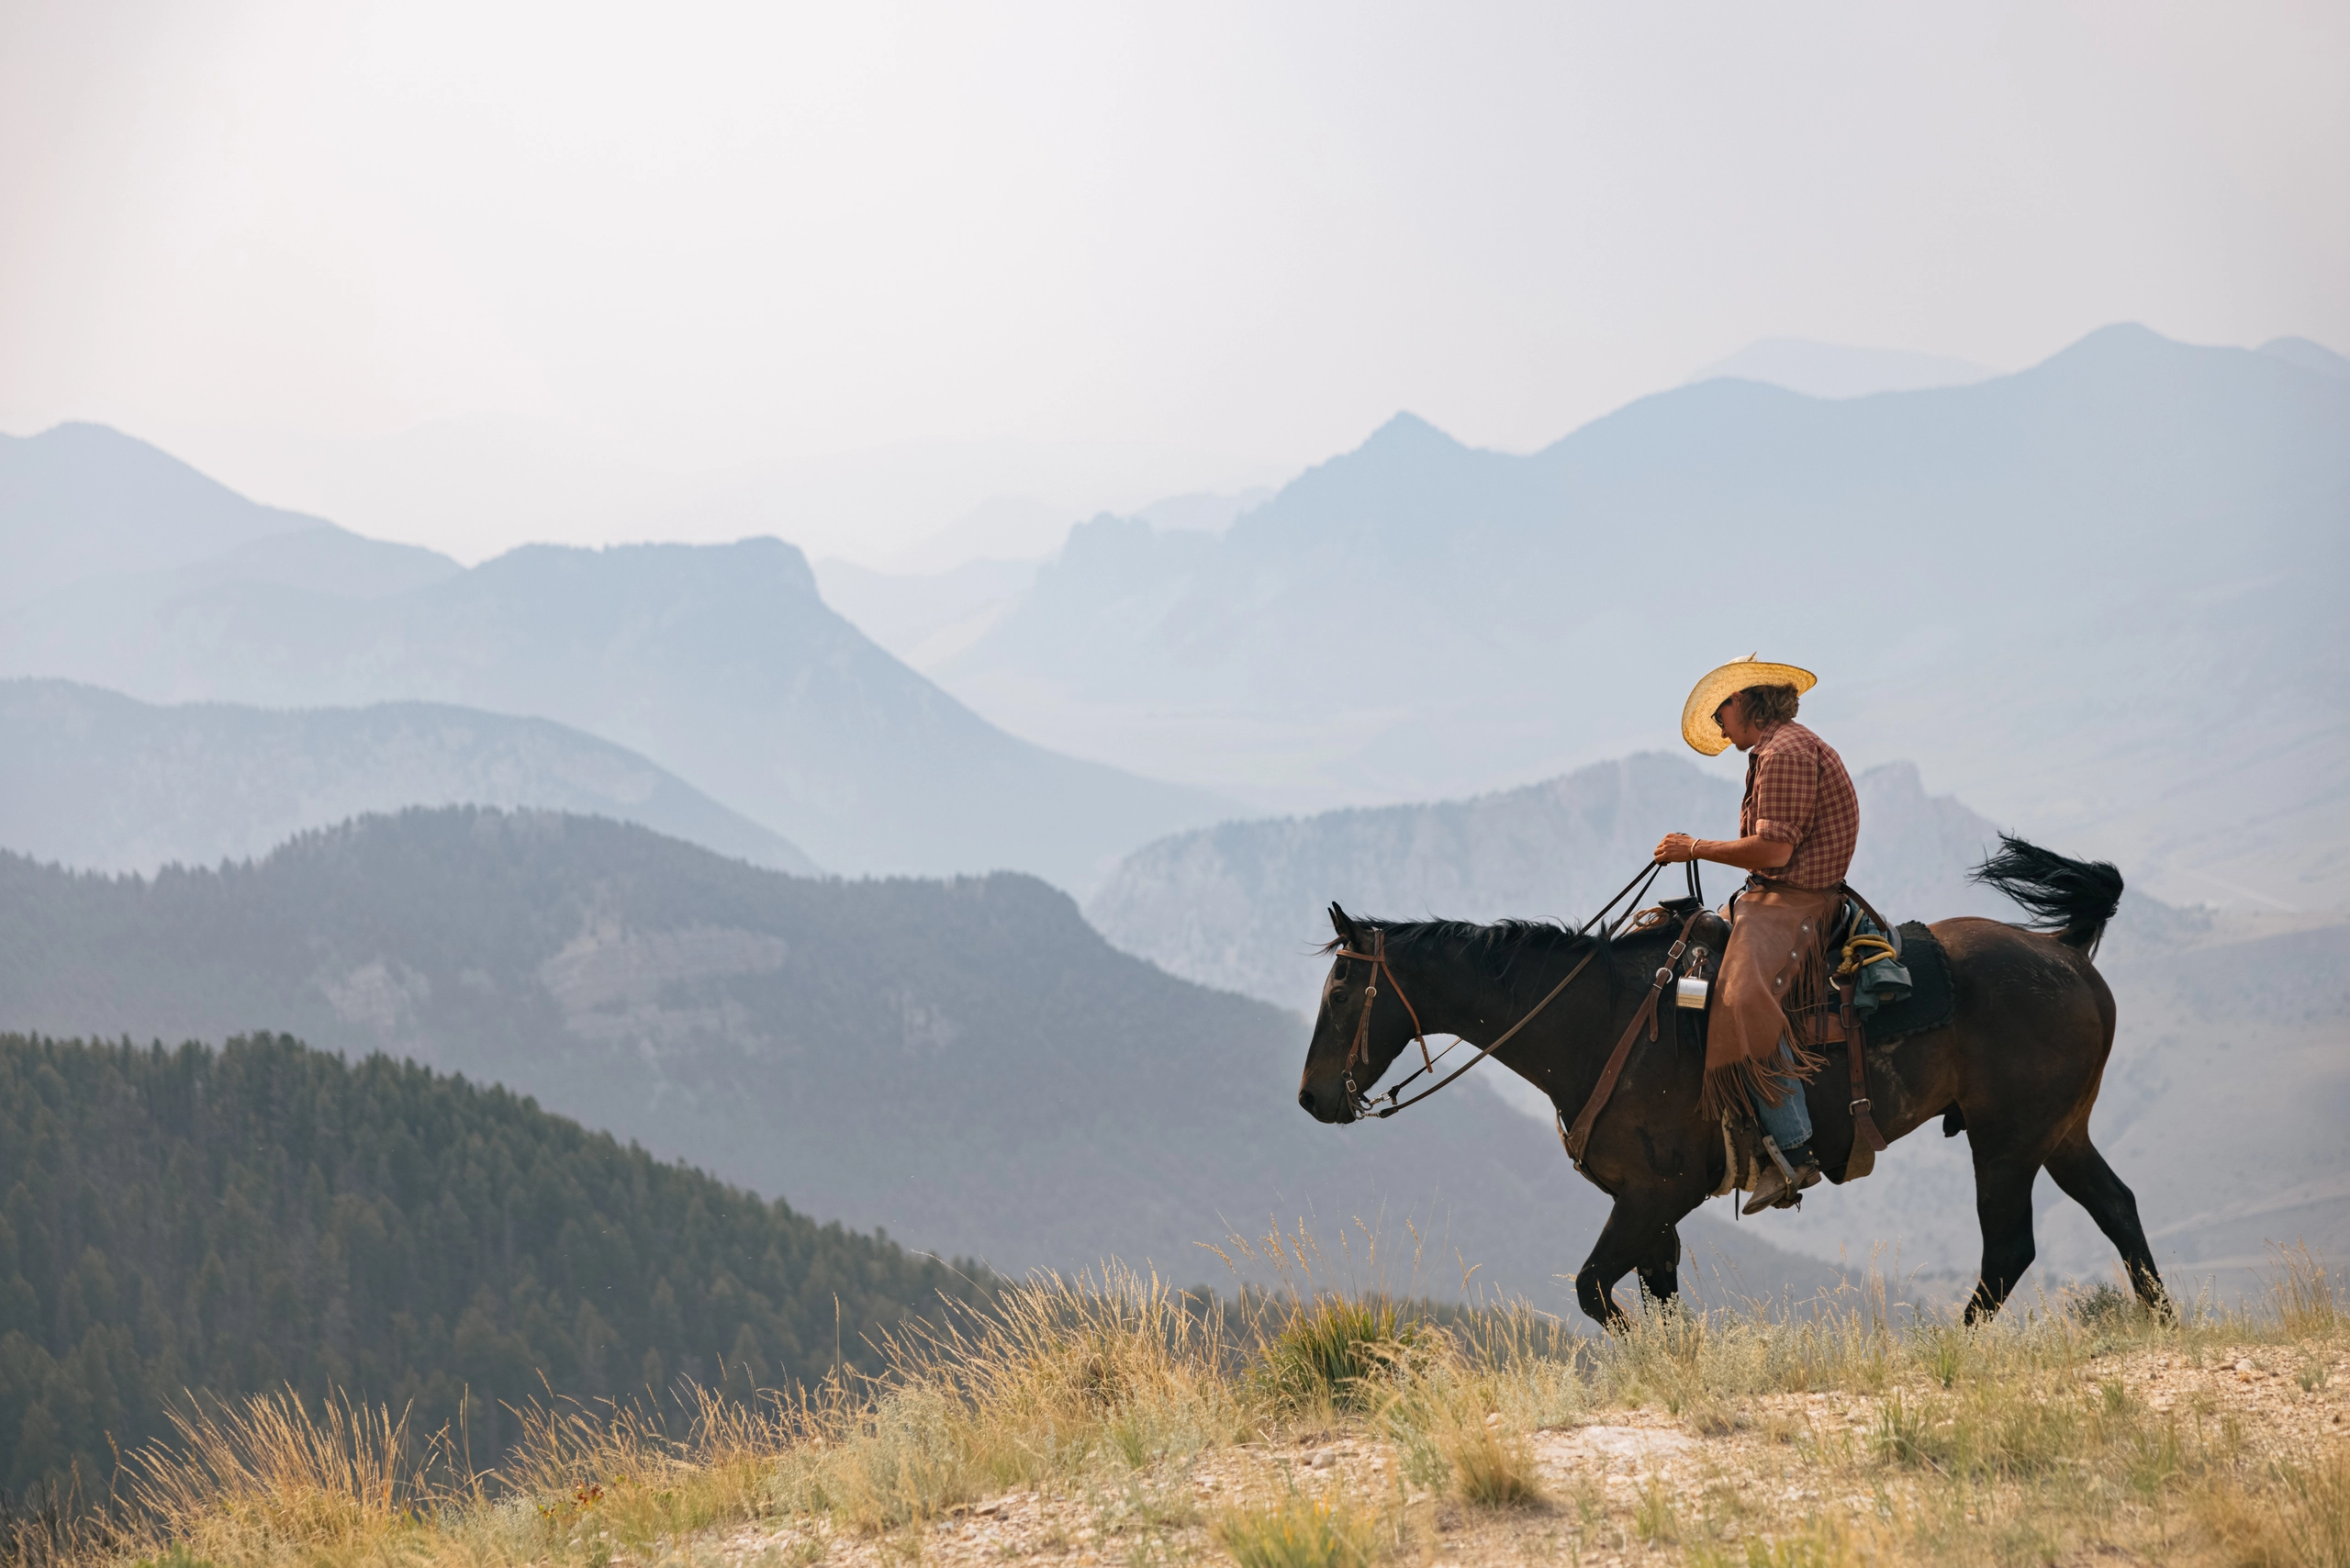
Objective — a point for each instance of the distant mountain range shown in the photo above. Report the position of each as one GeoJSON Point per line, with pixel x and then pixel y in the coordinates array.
{"type": "Point", "coordinates": [1240, 906]}
{"type": "Point", "coordinates": [2095, 597]}
{"type": "Point", "coordinates": [967, 1062]}
{"type": "Point", "coordinates": [82, 501]}
{"type": "Point", "coordinates": [98, 781]}
{"type": "Point", "coordinates": [1837, 370]}
{"type": "Point", "coordinates": [2229, 1040]}
{"type": "Point", "coordinates": [720, 664]}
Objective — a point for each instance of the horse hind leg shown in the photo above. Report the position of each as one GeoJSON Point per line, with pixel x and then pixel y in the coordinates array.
{"type": "Point", "coordinates": [2084, 1176]}
{"type": "Point", "coordinates": [2003, 1205]}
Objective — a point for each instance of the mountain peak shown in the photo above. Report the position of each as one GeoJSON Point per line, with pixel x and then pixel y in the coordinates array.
{"type": "Point", "coordinates": [81, 498]}
{"type": "Point", "coordinates": [88, 435]}
{"type": "Point", "coordinates": [1407, 433]}
{"type": "Point", "coordinates": [2124, 342]}
{"type": "Point", "coordinates": [2124, 335]}
{"type": "Point", "coordinates": [1389, 484]}
{"type": "Point", "coordinates": [2131, 350]}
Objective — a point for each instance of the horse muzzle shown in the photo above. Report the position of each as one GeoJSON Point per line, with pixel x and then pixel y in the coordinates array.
{"type": "Point", "coordinates": [1327, 1105]}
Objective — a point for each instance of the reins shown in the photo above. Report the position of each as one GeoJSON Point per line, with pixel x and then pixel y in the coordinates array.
{"type": "Point", "coordinates": [1360, 1048]}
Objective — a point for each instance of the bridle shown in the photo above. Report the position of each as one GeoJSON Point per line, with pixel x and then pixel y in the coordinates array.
{"type": "Point", "coordinates": [1366, 1106]}
{"type": "Point", "coordinates": [1359, 1050]}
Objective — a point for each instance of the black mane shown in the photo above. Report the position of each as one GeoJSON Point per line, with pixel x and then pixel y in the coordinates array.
{"type": "Point", "coordinates": [1495, 949]}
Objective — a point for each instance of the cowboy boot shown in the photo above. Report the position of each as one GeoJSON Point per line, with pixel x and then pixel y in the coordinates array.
{"type": "Point", "coordinates": [1781, 1182]}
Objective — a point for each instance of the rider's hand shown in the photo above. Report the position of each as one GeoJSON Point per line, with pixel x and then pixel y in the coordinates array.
{"type": "Point", "coordinates": [1675, 847]}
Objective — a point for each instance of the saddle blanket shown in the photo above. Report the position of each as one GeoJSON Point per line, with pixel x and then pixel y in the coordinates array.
{"type": "Point", "coordinates": [1929, 1004]}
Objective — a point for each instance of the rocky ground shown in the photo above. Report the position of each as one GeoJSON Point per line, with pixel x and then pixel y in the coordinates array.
{"type": "Point", "coordinates": [1641, 1486]}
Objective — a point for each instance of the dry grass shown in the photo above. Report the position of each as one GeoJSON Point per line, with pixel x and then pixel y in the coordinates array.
{"type": "Point", "coordinates": [2300, 1519]}
{"type": "Point", "coordinates": [2303, 1293]}
{"type": "Point", "coordinates": [1815, 1542]}
{"type": "Point", "coordinates": [1112, 1416]}
{"type": "Point", "coordinates": [1334, 1352]}
{"type": "Point", "coordinates": [1457, 1410]}
{"type": "Point", "coordinates": [342, 1480]}
{"type": "Point", "coordinates": [1063, 1377]}
{"type": "Point", "coordinates": [1299, 1530]}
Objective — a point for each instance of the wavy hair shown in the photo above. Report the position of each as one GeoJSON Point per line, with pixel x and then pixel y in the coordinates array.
{"type": "Point", "coordinates": [1767, 705]}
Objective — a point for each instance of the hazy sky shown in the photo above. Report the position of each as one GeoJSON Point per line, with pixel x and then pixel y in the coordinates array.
{"type": "Point", "coordinates": [351, 258]}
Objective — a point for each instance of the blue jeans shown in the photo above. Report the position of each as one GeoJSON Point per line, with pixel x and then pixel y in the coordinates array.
{"type": "Point", "coordinates": [1789, 1121]}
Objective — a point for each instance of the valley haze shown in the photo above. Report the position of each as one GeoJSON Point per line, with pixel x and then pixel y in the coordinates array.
{"type": "Point", "coordinates": [189, 679]}
{"type": "Point", "coordinates": [685, 695]}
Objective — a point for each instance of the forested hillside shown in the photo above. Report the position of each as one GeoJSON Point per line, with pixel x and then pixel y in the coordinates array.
{"type": "Point", "coordinates": [268, 1215]}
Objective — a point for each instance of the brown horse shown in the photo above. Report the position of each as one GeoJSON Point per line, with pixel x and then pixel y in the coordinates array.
{"type": "Point", "coordinates": [2017, 1068]}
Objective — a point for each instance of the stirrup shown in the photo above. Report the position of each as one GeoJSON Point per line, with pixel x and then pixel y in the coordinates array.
{"type": "Point", "coordinates": [1792, 1198]}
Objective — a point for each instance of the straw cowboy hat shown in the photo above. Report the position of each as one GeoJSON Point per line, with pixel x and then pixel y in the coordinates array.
{"type": "Point", "coordinates": [1698, 726]}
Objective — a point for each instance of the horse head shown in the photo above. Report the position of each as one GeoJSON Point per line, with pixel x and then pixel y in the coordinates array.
{"type": "Point", "coordinates": [1348, 1054]}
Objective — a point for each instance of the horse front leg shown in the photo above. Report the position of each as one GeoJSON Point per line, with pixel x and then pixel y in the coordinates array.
{"type": "Point", "coordinates": [1661, 1270]}
{"type": "Point", "coordinates": [1633, 1237]}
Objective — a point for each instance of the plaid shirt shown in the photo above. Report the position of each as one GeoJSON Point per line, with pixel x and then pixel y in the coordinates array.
{"type": "Point", "coordinates": [1797, 792]}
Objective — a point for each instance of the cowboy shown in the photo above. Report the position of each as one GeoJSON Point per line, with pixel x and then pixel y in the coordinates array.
{"type": "Point", "coordinates": [1797, 829]}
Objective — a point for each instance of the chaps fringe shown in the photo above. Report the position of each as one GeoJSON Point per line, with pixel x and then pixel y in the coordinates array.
{"type": "Point", "coordinates": [1769, 1081]}
{"type": "Point", "coordinates": [1740, 1083]}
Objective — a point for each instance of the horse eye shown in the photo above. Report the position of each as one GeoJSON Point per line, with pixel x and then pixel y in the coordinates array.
{"type": "Point", "coordinates": [1338, 997]}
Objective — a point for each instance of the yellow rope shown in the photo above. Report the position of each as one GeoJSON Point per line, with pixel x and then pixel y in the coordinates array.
{"type": "Point", "coordinates": [1874, 948]}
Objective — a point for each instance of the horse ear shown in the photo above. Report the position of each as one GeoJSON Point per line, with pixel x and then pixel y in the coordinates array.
{"type": "Point", "coordinates": [1342, 923]}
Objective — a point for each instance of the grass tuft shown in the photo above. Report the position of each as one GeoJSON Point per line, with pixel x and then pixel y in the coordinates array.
{"type": "Point", "coordinates": [2103, 1305]}
{"type": "Point", "coordinates": [1818, 1542]}
{"type": "Point", "coordinates": [2301, 1519]}
{"type": "Point", "coordinates": [52, 1526]}
{"type": "Point", "coordinates": [2314, 1513]}
{"type": "Point", "coordinates": [2303, 1293]}
{"type": "Point", "coordinates": [1332, 1350]}
{"type": "Point", "coordinates": [1446, 1414]}
{"type": "Point", "coordinates": [1656, 1516]}
{"type": "Point", "coordinates": [1060, 1374]}
{"type": "Point", "coordinates": [1296, 1530]}
{"type": "Point", "coordinates": [345, 1476]}
{"type": "Point", "coordinates": [1493, 1468]}
{"type": "Point", "coordinates": [1985, 1431]}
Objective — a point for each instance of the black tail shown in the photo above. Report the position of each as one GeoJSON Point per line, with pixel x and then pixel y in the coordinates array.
{"type": "Point", "coordinates": [2072, 898]}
